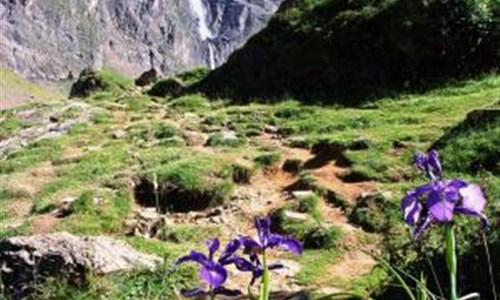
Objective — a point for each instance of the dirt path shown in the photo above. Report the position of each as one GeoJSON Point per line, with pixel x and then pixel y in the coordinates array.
{"type": "Point", "coordinates": [44, 223]}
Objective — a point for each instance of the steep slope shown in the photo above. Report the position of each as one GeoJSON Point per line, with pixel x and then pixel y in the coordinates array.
{"type": "Point", "coordinates": [48, 40]}
{"type": "Point", "coordinates": [15, 90]}
{"type": "Point", "coordinates": [354, 48]}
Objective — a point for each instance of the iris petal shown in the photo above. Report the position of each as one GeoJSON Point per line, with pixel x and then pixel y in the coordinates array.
{"type": "Point", "coordinates": [213, 246]}
{"type": "Point", "coordinates": [243, 264]}
{"type": "Point", "coordinates": [249, 243]}
{"type": "Point", "coordinates": [411, 208]}
{"type": "Point", "coordinates": [194, 256]}
{"type": "Point", "coordinates": [215, 275]}
{"type": "Point", "coordinates": [440, 208]}
{"type": "Point", "coordinates": [472, 199]}
{"type": "Point", "coordinates": [290, 244]}
{"type": "Point", "coordinates": [231, 248]}
{"type": "Point", "coordinates": [419, 230]}
{"type": "Point", "coordinates": [434, 165]}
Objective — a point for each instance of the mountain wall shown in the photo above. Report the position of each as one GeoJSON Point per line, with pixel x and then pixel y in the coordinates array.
{"type": "Point", "coordinates": [51, 39]}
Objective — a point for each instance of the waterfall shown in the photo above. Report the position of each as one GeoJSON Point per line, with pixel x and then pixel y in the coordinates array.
{"type": "Point", "coordinates": [211, 56]}
{"type": "Point", "coordinates": [201, 14]}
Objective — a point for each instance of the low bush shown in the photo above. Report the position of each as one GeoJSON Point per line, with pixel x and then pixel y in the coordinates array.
{"type": "Point", "coordinates": [268, 159]}
{"type": "Point", "coordinates": [167, 87]}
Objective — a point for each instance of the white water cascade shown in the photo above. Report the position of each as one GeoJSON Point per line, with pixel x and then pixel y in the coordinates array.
{"type": "Point", "coordinates": [200, 12]}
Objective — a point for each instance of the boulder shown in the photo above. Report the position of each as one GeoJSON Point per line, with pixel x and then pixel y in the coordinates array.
{"type": "Point", "coordinates": [25, 260]}
{"type": "Point", "coordinates": [147, 78]}
{"type": "Point", "coordinates": [88, 82]}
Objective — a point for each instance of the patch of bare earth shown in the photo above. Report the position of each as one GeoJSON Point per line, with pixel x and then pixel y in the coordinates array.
{"type": "Point", "coordinates": [44, 223]}
{"type": "Point", "coordinates": [31, 183]}
{"type": "Point", "coordinates": [353, 264]}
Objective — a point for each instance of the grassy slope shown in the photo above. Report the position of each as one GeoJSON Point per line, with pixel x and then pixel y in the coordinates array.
{"type": "Point", "coordinates": [91, 164]}
{"type": "Point", "coordinates": [15, 90]}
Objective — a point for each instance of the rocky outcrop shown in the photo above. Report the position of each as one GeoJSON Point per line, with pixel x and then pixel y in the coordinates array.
{"type": "Point", "coordinates": [25, 259]}
{"type": "Point", "coordinates": [49, 40]}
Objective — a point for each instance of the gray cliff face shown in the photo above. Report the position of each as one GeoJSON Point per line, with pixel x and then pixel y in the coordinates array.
{"type": "Point", "coordinates": [48, 39]}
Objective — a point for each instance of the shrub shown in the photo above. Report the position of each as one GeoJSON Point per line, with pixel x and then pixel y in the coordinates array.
{"type": "Point", "coordinates": [308, 204]}
{"type": "Point", "coordinates": [167, 87]}
{"type": "Point", "coordinates": [193, 76]}
{"type": "Point", "coordinates": [268, 159]}
{"type": "Point", "coordinates": [373, 213]}
{"type": "Point", "coordinates": [90, 82]}
{"type": "Point", "coordinates": [241, 174]}
{"type": "Point", "coordinates": [322, 238]}
{"type": "Point", "coordinates": [164, 130]}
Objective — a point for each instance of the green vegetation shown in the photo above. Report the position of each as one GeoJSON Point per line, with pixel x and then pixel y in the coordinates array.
{"type": "Point", "coordinates": [167, 87]}
{"type": "Point", "coordinates": [472, 146]}
{"type": "Point", "coordinates": [34, 153]}
{"type": "Point", "coordinates": [182, 234]}
{"type": "Point", "coordinates": [186, 180]}
{"type": "Point", "coordinates": [222, 140]}
{"type": "Point", "coordinates": [241, 174]}
{"type": "Point", "coordinates": [193, 76]}
{"type": "Point", "coordinates": [268, 159]}
{"type": "Point", "coordinates": [133, 149]}
{"type": "Point", "coordinates": [15, 87]}
{"type": "Point", "coordinates": [314, 51]}
{"type": "Point", "coordinates": [162, 283]}
{"type": "Point", "coordinates": [190, 103]}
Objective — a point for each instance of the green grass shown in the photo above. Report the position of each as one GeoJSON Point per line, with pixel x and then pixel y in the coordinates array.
{"type": "Point", "coordinates": [34, 153]}
{"type": "Point", "coordinates": [219, 140]}
{"type": "Point", "coordinates": [190, 103]}
{"type": "Point", "coordinates": [15, 86]}
{"type": "Point", "coordinates": [99, 165]}
{"type": "Point", "coordinates": [116, 80]}
{"type": "Point", "coordinates": [268, 159]}
{"type": "Point", "coordinates": [162, 283]}
{"type": "Point", "coordinates": [98, 212]}
{"type": "Point", "coordinates": [315, 263]}
{"type": "Point", "coordinates": [182, 234]}
{"type": "Point", "coordinates": [195, 177]}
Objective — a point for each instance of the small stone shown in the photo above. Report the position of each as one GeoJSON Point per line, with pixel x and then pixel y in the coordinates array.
{"type": "Point", "coordinates": [65, 207]}
{"type": "Point", "coordinates": [271, 129]}
{"type": "Point", "coordinates": [148, 214]}
{"type": "Point", "coordinates": [119, 134]}
{"type": "Point", "coordinates": [302, 194]}
{"type": "Point", "coordinates": [295, 215]}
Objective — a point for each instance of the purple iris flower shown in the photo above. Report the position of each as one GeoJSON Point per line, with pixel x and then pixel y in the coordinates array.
{"type": "Point", "coordinates": [266, 239]}
{"type": "Point", "coordinates": [213, 272]}
{"type": "Point", "coordinates": [443, 198]}
{"type": "Point", "coordinates": [255, 266]}
{"type": "Point", "coordinates": [429, 163]}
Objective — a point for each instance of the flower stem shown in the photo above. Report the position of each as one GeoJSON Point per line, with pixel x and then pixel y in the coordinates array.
{"type": "Point", "coordinates": [264, 288]}
{"type": "Point", "coordinates": [451, 260]}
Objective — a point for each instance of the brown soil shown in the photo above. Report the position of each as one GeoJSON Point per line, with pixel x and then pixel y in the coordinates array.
{"type": "Point", "coordinates": [352, 265]}
{"type": "Point", "coordinates": [31, 182]}
{"type": "Point", "coordinates": [44, 223]}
